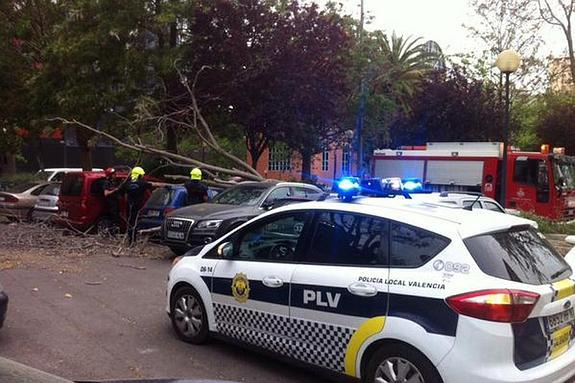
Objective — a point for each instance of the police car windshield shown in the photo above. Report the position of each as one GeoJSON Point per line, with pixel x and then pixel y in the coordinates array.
{"type": "Point", "coordinates": [519, 255]}
{"type": "Point", "coordinates": [248, 195]}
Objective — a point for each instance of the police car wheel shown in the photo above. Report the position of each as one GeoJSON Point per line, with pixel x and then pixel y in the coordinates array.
{"type": "Point", "coordinates": [399, 363]}
{"type": "Point", "coordinates": [189, 318]}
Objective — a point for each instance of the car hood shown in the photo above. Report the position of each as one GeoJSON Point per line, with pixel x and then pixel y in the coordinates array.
{"type": "Point", "coordinates": [214, 211]}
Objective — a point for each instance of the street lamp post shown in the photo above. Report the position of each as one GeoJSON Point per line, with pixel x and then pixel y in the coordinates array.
{"type": "Point", "coordinates": [507, 62]}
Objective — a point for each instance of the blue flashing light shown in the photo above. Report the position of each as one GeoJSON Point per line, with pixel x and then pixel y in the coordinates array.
{"type": "Point", "coordinates": [348, 187]}
{"type": "Point", "coordinates": [412, 185]}
{"type": "Point", "coordinates": [347, 184]}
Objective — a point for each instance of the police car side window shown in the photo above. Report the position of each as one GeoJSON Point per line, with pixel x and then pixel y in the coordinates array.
{"type": "Point", "coordinates": [348, 239]}
{"type": "Point", "coordinates": [271, 240]}
{"type": "Point", "coordinates": [412, 247]}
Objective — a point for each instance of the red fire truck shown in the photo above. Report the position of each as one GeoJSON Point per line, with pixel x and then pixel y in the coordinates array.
{"type": "Point", "coordinates": [539, 182]}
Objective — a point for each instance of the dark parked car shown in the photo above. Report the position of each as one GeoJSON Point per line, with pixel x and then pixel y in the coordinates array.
{"type": "Point", "coordinates": [196, 225]}
{"type": "Point", "coordinates": [164, 200]}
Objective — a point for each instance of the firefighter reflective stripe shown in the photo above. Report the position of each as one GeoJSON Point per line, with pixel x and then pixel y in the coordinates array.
{"type": "Point", "coordinates": [563, 289]}
{"type": "Point", "coordinates": [367, 329]}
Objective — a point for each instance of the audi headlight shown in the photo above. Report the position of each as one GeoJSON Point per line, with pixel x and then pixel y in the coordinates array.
{"type": "Point", "coordinates": [209, 224]}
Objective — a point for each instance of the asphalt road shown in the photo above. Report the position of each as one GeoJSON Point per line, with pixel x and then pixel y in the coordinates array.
{"type": "Point", "coordinates": [92, 318]}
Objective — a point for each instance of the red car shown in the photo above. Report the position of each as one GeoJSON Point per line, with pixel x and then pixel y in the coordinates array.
{"type": "Point", "coordinates": [82, 204]}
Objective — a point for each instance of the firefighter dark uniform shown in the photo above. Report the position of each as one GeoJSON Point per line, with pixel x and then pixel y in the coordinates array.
{"type": "Point", "coordinates": [197, 191]}
{"type": "Point", "coordinates": [136, 193]}
{"type": "Point", "coordinates": [112, 196]}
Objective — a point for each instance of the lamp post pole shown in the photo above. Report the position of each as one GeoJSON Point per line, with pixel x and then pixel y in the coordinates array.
{"type": "Point", "coordinates": [505, 144]}
{"type": "Point", "coordinates": [361, 110]}
{"type": "Point", "coordinates": [507, 62]}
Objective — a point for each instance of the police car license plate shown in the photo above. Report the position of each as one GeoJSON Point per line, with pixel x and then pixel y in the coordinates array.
{"type": "Point", "coordinates": [560, 341]}
{"type": "Point", "coordinates": [153, 213]}
{"type": "Point", "coordinates": [559, 320]}
{"type": "Point", "coordinates": [64, 214]}
{"type": "Point", "coordinates": [175, 235]}
{"type": "Point", "coordinates": [43, 202]}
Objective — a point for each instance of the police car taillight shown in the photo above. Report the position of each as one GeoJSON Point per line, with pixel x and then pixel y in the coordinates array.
{"type": "Point", "coordinates": [500, 305]}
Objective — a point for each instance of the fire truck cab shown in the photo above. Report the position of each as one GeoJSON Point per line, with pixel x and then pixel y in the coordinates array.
{"type": "Point", "coordinates": [538, 182]}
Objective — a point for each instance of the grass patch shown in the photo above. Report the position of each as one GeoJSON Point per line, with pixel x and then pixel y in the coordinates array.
{"type": "Point", "coordinates": [547, 226]}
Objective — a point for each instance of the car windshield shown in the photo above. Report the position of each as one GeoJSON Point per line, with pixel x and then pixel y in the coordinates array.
{"type": "Point", "coordinates": [566, 172]}
{"type": "Point", "coordinates": [519, 255]}
{"type": "Point", "coordinates": [240, 195]}
{"type": "Point", "coordinates": [44, 174]}
{"type": "Point", "coordinates": [53, 190]}
{"type": "Point", "coordinates": [162, 197]}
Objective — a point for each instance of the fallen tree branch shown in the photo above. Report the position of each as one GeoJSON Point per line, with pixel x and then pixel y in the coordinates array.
{"type": "Point", "coordinates": [254, 176]}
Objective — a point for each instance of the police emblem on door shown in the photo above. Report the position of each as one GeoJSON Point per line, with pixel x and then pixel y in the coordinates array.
{"type": "Point", "coordinates": [241, 287]}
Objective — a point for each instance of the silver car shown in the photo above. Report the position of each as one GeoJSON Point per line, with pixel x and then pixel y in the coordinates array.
{"type": "Point", "coordinates": [18, 202]}
{"type": "Point", "coordinates": [47, 203]}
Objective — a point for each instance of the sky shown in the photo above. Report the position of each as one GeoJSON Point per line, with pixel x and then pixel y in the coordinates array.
{"type": "Point", "coordinates": [438, 20]}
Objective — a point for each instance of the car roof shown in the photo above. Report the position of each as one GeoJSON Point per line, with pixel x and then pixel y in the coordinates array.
{"type": "Point", "coordinates": [297, 184]}
{"type": "Point", "coordinates": [429, 216]}
{"type": "Point", "coordinates": [271, 183]}
{"type": "Point", "coordinates": [67, 169]}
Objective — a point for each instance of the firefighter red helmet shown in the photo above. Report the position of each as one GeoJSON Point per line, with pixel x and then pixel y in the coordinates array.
{"type": "Point", "coordinates": [109, 171]}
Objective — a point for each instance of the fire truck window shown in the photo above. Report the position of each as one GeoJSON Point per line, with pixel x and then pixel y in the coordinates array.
{"type": "Point", "coordinates": [542, 175]}
{"type": "Point", "coordinates": [526, 171]}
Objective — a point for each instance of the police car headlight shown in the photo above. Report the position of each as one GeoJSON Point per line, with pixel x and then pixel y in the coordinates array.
{"type": "Point", "coordinates": [210, 224]}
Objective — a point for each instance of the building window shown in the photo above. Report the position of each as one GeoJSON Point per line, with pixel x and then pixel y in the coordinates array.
{"type": "Point", "coordinates": [279, 158]}
{"type": "Point", "coordinates": [325, 160]}
{"type": "Point", "coordinates": [345, 161]}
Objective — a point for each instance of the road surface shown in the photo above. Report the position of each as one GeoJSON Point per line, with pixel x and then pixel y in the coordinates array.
{"type": "Point", "coordinates": [99, 317]}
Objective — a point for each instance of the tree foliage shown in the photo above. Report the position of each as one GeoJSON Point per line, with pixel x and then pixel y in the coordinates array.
{"type": "Point", "coordinates": [509, 24]}
{"type": "Point", "coordinates": [557, 122]}
{"type": "Point", "coordinates": [451, 107]}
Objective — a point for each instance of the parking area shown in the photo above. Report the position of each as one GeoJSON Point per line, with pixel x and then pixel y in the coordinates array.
{"type": "Point", "coordinates": [100, 317]}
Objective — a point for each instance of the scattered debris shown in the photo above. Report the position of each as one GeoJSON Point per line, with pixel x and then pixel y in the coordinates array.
{"type": "Point", "coordinates": [47, 240]}
{"type": "Point", "coordinates": [93, 283]}
{"type": "Point", "coordinates": [67, 295]}
{"type": "Point", "coordinates": [131, 266]}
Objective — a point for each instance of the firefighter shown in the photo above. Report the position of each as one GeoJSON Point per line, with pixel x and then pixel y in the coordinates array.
{"type": "Point", "coordinates": [197, 191]}
{"type": "Point", "coordinates": [136, 190]}
{"type": "Point", "coordinates": [112, 196]}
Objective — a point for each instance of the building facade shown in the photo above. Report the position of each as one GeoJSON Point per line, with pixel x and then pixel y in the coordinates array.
{"type": "Point", "coordinates": [560, 75]}
{"type": "Point", "coordinates": [279, 162]}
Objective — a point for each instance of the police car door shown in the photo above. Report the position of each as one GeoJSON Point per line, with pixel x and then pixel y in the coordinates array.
{"type": "Point", "coordinates": [250, 290]}
{"type": "Point", "coordinates": [340, 288]}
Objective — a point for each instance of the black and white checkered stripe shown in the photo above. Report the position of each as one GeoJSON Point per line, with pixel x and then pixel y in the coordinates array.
{"type": "Point", "coordinates": [312, 342]}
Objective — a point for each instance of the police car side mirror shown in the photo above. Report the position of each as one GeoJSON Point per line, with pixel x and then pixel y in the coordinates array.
{"type": "Point", "coordinates": [225, 250]}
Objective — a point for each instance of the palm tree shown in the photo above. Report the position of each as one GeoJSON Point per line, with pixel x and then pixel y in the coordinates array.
{"type": "Point", "coordinates": [399, 67]}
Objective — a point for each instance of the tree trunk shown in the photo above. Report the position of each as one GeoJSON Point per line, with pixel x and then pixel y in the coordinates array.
{"type": "Point", "coordinates": [571, 53]}
{"type": "Point", "coordinates": [306, 157]}
{"type": "Point", "coordinates": [86, 157]}
{"type": "Point", "coordinates": [255, 155]}
{"type": "Point", "coordinates": [10, 168]}
{"type": "Point", "coordinates": [171, 139]}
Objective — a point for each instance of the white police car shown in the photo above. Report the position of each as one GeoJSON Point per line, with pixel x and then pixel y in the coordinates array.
{"type": "Point", "coordinates": [386, 290]}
